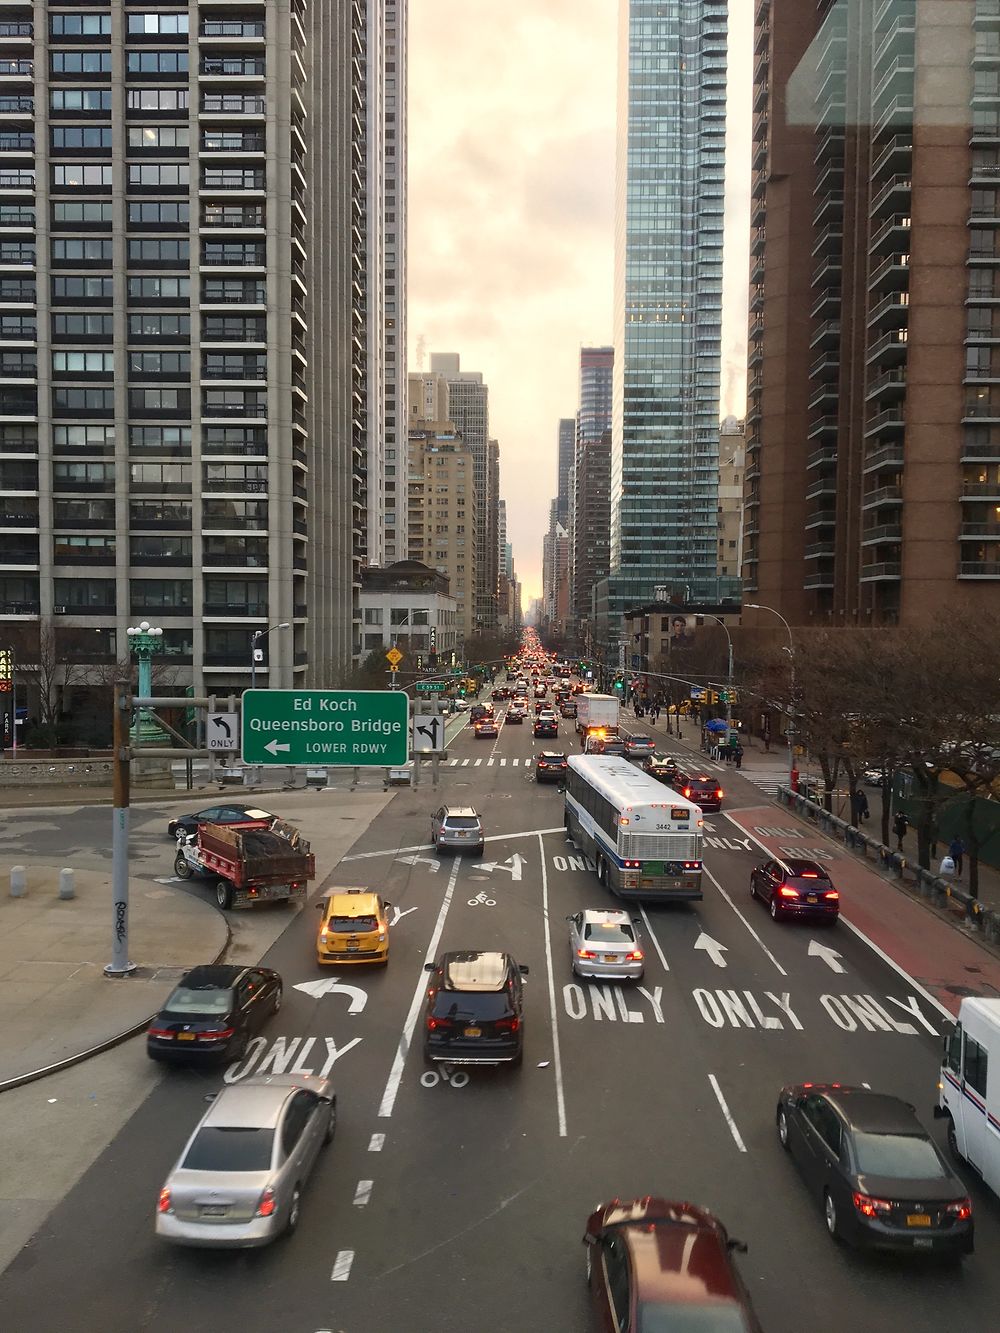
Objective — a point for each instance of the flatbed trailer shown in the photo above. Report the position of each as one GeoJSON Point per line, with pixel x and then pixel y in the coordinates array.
{"type": "Point", "coordinates": [253, 862]}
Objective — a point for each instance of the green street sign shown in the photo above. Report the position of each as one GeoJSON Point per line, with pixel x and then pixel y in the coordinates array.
{"type": "Point", "coordinates": [458, 671]}
{"type": "Point", "coordinates": [357, 728]}
{"type": "Point", "coordinates": [432, 686]}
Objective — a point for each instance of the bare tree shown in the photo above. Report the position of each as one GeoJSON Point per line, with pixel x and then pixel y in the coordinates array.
{"type": "Point", "coordinates": [45, 664]}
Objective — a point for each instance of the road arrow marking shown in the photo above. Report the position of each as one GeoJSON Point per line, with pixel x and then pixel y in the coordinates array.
{"type": "Point", "coordinates": [398, 914]}
{"type": "Point", "coordinates": [713, 948]}
{"type": "Point", "coordinates": [829, 956]}
{"type": "Point", "coordinates": [328, 985]}
{"type": "Point", "coordinates": [512, 865]}
{"type": "Point", "coordinates": [418, 860]}
{"type": "Point", "coordinates": [273, 747]}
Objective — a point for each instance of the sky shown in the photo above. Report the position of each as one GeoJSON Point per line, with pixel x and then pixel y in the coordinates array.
{"type": "Point", "coordinates": [510, 234]}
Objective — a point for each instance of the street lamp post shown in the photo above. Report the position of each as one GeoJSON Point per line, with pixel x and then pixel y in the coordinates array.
{"type": "Point", "coordinates": [729, 690]}
{"type": "Point", "coordinates": [255, 638]}
{"type": "Point", "coordinates": [144, 641]}
{"type": "Point", "coordinates": [790, 650]}
{"type": "Point", "coordinates": [394, 673]}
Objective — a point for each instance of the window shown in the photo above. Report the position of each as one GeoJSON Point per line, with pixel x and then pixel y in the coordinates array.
{"type": "Point", "coordinates": [157, 99]}
{"type": "Point", "coordinates": [160, 476]}
{"type": "Point", "coordinates": [82, 289]}
{"type": "Point", "coordinates": [160, 595]}
{"type": "Point", "coordinates": [160, 363]}
{"type": "Point", "coordinates": [237, 65]}
{"type": "Point", "coordinates": [79, 476]}
{"type": "Point", "coordinates": [373, 615]}
{"type": "Point", "coordinates": [160, 513]}
{"type": "Point", "coordinates": [83, 363]}
{"type": "Point", "coordinates": [95, 439]}
{"type": "Point", "coordinates": [158, 250]}
{"type": "Point", "coordinates": [80, 513]}
{"type": "Point", "coordinates": [234, 366]}
{"type": "Point", "coordinates": [89, 550]}
{"type": "Point", "coordinates": [158, 23]}
{"type": "Point", "coordinates": [232, 215]}
{"type": "Point", "coordinates": [975, 1065]}
{"type": "Point", "coordinates": [157, 289]}
{"type": "Point", "coordinates": [80, 62]}
{"type": "Point", "coordinates": [70, 402]}
{"type": "Point", "coordinates": [233, 291]}
{"type": "Point", "coordinates": [77, 25]}
{"type": "Point", "coordinates": [80, 99]}
{"type": "Point", "coordinates": [234, 440]}
{"type": "Point", "coordinates": [233, 252]}
{"type": "Point", "coordinates": [150, 324]}
{"type": "Point", "coordinates": [82, 210]}
{"type": "Point", "coordinates": [160, 439]}
{"type": "Point", "coordinates": [71, 175]}
{"type": "Point", "coordinates": [241, 596]}
{"type": "Point", "coordinates": [173, 548]}
{"type": "Point", "coordinates": [159, 175]}
{"type": "Point", "coordinates": [17, 326]}
{"type": "Point", "coordinates": [177, 402]}
{"type": "Point", "coordinates": [159, 213]}
{"type": "Point", "coordinates": [158, 136]}
{"type": "Point", "coordinates": [82, 249]}
{"type": "Point", "coordinates": [235, 103]}
{"type": "Point", "coordinates": [233, 328]}
{"type": "Point", "coordinates": [157, 62]}
{"type": "Point", "coordinates": [232, 178]}
{"type": "Point", "coordinates": [81, 136]}
{"type": "Point", "coordinates": [83, 595]}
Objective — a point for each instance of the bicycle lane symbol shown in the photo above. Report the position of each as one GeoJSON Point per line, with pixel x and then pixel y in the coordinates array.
{"type": "Point", "coordinates": [458, 1078]}
{"type": "Point", "coordinates": [481, 900]}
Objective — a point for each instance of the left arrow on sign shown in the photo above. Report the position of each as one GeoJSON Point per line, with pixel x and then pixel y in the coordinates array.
{"type": "Point", "coordinates": [221, 722]}
{"type": "Point", "coordinates": [330, 985]}
{"type": "Point", "coordinates": [274, 747]}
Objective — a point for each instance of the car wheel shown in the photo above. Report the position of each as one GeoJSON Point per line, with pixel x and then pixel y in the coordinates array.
{"type": "Point", "coordinates": [953, 1141]}
{"type": "Point", "coordinates": [774, 908]}
{"type": "Point", "coordinates": [294, 1208]}
{"type": "Point", "coordinates": [783, 1128]}
{"type": "Point", "coordinates": [830, 1214]}
{"type": "Point", "coordinates": [331, 1124]}
{"type": "Point", "coordinates": [181, 868]}
{"type": "Point", "coordinates": [224, 894]}
{"type": "Point", "coordinates": [277, 1001]}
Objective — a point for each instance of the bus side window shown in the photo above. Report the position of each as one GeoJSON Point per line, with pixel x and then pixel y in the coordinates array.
{"type": "Point", "coordinates": [953, 1050]}
{"type": "Point", "coordinates": [975, 1065]}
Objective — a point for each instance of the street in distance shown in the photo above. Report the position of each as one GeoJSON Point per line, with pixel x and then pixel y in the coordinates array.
{"type": "Point", "coordinates": [331, 727]}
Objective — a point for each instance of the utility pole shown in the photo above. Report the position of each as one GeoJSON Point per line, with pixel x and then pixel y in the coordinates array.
{"type": "Point", "coordinates": [120, 965]}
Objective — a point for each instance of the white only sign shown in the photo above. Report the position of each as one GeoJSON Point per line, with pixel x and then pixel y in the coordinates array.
{"type": "Point", "coordinates": [222, 731]}
{"type": "Point", "coordinates": [427, 733]}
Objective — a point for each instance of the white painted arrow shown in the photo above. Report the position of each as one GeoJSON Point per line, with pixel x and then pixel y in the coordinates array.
{"type": "Point", "coordinates": [418, 860]}
{"type": "Point", "coordinates": [829, 956]}
{"type": "Point", "coordinates": [273, 747]}
{"type": "Point", "coordinates": [398, 914]}
{"type": "Point", "coordinates": [328, 985]}
{"type": "Point", "coordinates": [512, 865]}
{"type": "Point", "coordinates": [713, 948]}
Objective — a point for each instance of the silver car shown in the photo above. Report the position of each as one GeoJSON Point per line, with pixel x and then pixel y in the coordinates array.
{"type": "Point", "coordinates": [605, 944]}
{"type": "Point", "coordinates": [457, 828]}
{"type": "Point", "coordinates": [240, 1178]}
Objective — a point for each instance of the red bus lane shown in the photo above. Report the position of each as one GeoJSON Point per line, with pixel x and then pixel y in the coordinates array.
{"type": "Point", "coordinates": [941, 957]}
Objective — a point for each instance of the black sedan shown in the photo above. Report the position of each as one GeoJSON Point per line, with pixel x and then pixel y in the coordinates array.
{"type": "Point", "coordinates": [795, 887]}
{"type": "Point", "coordinates": [871, 1165]}
{"type": "Point", "coordinates": [232, 812]}
{"type": "Point", "coordinates": [550, 766]}
{"type": "Point", "coordinates": [546, 727]}
{"type": "Point", "coordinates": [212, 1014]}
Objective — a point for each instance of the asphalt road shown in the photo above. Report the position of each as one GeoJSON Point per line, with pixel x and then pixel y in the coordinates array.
{"type": "Point", "coordinates": [459, 1206]}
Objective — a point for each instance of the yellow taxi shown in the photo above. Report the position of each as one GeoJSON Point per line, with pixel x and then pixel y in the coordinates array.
{"type": "Point", "coordinates": [354, 928]}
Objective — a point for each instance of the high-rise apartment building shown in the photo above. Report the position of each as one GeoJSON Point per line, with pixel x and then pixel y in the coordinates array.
{"type": "Point", "coordinates": [873, 425]}
{"type": "Point", "coordinates": [590, 480]}
{"type": "Point", "coordinates": [668, 300]}
{"type": "Point", "coordinates": [567, 444]}
{"type": "Point", "coordinates": [380, 37]}
{"type": "Point", "coordinates": [427, 398]}
{"type": "Point", "coordinates": [468, 405]}
{"type": "Point", "coordinates": [442, 513]}
{"type": "Point", "coordinates": [732, 465]}
{"type": "Point", "coordinates": [174, 203]}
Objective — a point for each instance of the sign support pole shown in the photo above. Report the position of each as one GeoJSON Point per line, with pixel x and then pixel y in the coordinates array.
{"type": "Point", "coordinates": [120, 965]}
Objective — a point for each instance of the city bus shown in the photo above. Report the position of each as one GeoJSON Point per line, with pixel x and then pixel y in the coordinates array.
{"type": "Point", "coordinates": [645, 839]}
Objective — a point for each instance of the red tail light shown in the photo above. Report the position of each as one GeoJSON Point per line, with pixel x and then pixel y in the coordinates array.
{"type": "Point", "coordinates": [632, 865]}
{"type": "Point", "coordinates": [786, 891]}
{"type": "Point", "coordinates": [433, 1024]}
{"type": "Point", "coordinates": [687, 793]}
{"type": "Point", "coordinates": [160, 1032]}
{"type": "Point", "coordinates": [585, 953]}
{"type": "Point", "coordinates": [718, 793]}
{"type": "Point", "coordinates": [216, 1034]}
{"type": "Point", "coordinates": [868, 1206]}
{"type": "Point", "coordinates": [634, 957]}
{"type": "Point", "coordinates": [164, 1203]}
{"type": "Point", "coordinates": [507, 1024]}
{"type": "Point", "coordinates": [267, 1204]}
{"type": "Point", "coordinates": [692, 865]}
{"type": "Point", "coordinates": [832, 896]}
{"type": "Point", "coordinates": [960, 1210]}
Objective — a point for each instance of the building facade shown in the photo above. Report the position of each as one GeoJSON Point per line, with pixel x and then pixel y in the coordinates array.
{"type": "Point", "coordinates": [732, 465]}
{"type": "Point", "coordinates": [590, 482]}
{"type": "Point", "coordinates": [668, 298]}
{"type": "Point", "coordinates": [408, 605]}
{"type": "Point", "coordinates": [174, 215]}
{"type": "Point", "coordinates": [873, 425]}
{"type": "Point", "coordinates": [566, 448]}
{"type": "Point", "coordinates": [442, 513]}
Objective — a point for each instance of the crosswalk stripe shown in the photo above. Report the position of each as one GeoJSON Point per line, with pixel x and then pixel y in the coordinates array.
{"type": "Point", "coordinates": [464, 763]}
{"type": "Point", "coordinates": [490, 762]}
{"type": "Point", "coordinates": [503, 763]}
{"type": "Point", "coordinates": [515, 762]}
{"type": "Point", "coordinates": [452, 763]}
{"type": "Point", "coordinates": [477, 763]}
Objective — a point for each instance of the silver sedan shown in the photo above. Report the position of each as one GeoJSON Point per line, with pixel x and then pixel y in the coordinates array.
{"type": "Point", "coordinates": [240, 1178]}
{"type": "Point", "coordinates": [605, 944]}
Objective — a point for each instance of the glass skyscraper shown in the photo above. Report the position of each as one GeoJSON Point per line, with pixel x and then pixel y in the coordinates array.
{"type": "Point", "coordinates": [668, 302]}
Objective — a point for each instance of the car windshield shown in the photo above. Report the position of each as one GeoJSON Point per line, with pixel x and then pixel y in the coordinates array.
{"type": "Point", "coordinates": [486, 1005]}
{"type": "Point", "coordinates": [185, 1001]}
{"type": "Point", "coordinates": [677, 1317]}
{"type": "Point", "coordinates": [461, 821]}
{"type": "Point", "coordinates": [352, 923]}
{"type": "Point", "coordinates": [905, 1156]}
{"type": "Point", "coordinates": [218, 1148]}
{"type": "Point", "coordinates": [608, 932]}
{"type": "Point", "coordinates": [553, 759]}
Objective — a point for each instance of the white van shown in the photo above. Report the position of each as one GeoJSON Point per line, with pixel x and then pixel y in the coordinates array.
{"type": "Point", "coordinates": [969, 1088]}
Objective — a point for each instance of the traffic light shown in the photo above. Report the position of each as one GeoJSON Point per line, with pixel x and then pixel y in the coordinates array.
{"type": "Point", "coordinates": [619, 684]}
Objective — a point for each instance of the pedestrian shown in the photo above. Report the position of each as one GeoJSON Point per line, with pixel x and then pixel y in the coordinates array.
{"type": "Point", "coordinates": [956, 850]}
{"type": "Point", "coordinates": [766, 737]}
{"type": "Point", "coordinates": [738, 754]}
{"type": "Point", "coordinates": [859, 808]}
{"type": "Point", "coordinates": [899, 826]}
{"type": "Point", "coordinates": [656, 713]}
{"type": "Point", "coordinates": [946, 870]}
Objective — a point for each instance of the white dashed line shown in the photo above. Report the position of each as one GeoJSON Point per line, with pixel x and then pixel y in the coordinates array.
{"type": "Point", "coordinates": [556, 1054]}
{"type": "Point", "coordinates": [376, 1143]}
{"type": "Point", "coordinates": [342, 1266]}
{"type": "Point", "coordinates": [363, 1193]}
{"type": "Point", "coordinates": [726, 1112]}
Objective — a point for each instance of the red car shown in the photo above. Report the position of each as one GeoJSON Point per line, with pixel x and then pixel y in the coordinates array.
{"type": "Point", "coordinates": [652, 1263]}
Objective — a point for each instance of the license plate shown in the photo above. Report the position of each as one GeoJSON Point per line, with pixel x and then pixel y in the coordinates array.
{"type": "Point", "coordinates": [214, 1210]}
{"type": "Point", "coordinates": [611, 958]}
{"type": "Point", "coordinates": [918, 1220]}
{"type": "Point", "coordinates": [473, 1032]}
{"type": "Point", "coordinates": [352, 946]}
{"type": "Point", "coordinates": [811, 898]}
{"type": "Point", "coordinates": [185, 1036]}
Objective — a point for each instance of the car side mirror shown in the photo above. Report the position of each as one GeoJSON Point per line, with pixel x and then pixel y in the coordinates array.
{"type": "Point", "coordinates": [430, 967]}
{"type": "Point", "coordinates": [590, 1239]}
{"type": "Point", "coordinates": [320, 906]}
{"type": "Point", "coordinates": [523, 969]}
{"type": "Point", "coordinates": [386, 902]}
{"type": "Point", "coordinates": [739, 1246]}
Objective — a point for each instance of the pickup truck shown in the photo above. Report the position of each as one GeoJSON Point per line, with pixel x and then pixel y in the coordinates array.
{"type": "Point", "coordinates": [255, 862]}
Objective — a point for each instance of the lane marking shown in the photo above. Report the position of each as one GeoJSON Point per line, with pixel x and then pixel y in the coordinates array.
{"type": "Point", "coordinates": [342, 1266]}
{"type": "Point", "coordinates": [429, 846]}
{"type": "Point", "coordinates": [489, 763]}
{"type": "Point", "coordinates": [376, 1143]}
{"type": "Point", "coordinates": [767, 951]}
{"type": "Point", "coordinates": [503, 762]}
{"type": "Point", "coordinates": [399, 1061]}
{"type": "Point", "coordinates": [726, 1112]}
{"type": "Point", "coordinates": [363, 1193]}
{"type": "Point", "coordinates": [656, 942]}
{"type": "Point", "coordinates": [556, 1055]}
{"type": "Point", "coordinates": [465, 763]}
{"type": "Point", "coordinates": [476, 763]}
{"type": "Point", "coordinates": [452, 763]}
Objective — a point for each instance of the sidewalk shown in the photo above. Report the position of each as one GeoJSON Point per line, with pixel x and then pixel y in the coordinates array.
{"type": "Point", "coordinates": [59, 1006]}
{"type": "Point", "coordinates": [765, 771]}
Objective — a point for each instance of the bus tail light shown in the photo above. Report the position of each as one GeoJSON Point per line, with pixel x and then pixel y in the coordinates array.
{"type": "Point", "coordinates": [632, 865]}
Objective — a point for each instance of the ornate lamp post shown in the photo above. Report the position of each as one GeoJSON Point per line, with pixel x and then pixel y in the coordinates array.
{"type": "Point", "coordinates": [144, 641]}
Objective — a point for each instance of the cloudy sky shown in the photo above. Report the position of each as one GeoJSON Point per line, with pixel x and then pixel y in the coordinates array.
{"type": "Point", "coordinates": [511, 227]}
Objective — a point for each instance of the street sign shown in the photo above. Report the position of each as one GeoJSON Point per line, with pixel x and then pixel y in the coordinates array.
{"type": "Point", "coordinates": [222, 731]}
{"type": "Point", "coordinates": [359, 728]}
{"type": "Point", "coordinates": [431, 686]}
{"type": "Point", "coordinates": [394, 657]}
{"type": "Point", "coordinates": [428, 733]}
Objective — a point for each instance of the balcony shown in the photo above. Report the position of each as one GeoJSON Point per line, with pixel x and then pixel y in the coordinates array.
{"type": "Point", "coordinates": [822, 517]}
{"type": "Point", "coordinates": [885, 495]}
{"type": "Point", "coordinates": [825, 485]}
{"type": "Point", "coordinates": [981, 410]}
{"type": "Point", "coordinates": [829, 241]}
{"type": "Point", "coordinates": [894, 194]}
{"type": "Point", "coordinates": [974, 451]}
{"type": "Point", "coordinates": [821, 551]}
{"type": "Point", "coordinates": [824, 456]}
{"type": "Point", "coordinates": [890, 419]}
{"type": "Point", "coordinates": [831, 145]}
{"type": "Point", "coordinates": [897, 113]}
{"type": "Point", "coordinates": [897, 153]}
{"type": "Point", "coordinates": [823, 427]}
{"type": "Point", "coordinates": [829, 211]}
{"type": "Point", "coordinates": [979, 532]}
{"type": "Point", "coordinates": [825, 396]}
{"type": "Point", "coordinates": [825, 367]}
{"type": "Point", "coordinates": [889, 349]}
{"type": "Point", "coordinates": [883, 572]}
{"type": "Point", "coordinates": [981, 490]}
{"type": "Point", "coordinates": [979, 569]}
{"type": "Point", "coordinates": [888, 456]}
{"type": "Point", "coordinates": [893, 273]}
{"type": "Point", "coordinates": [827, 303]}
{"type": "Point", "coordinates": [827, 334]}
{"type": "Point", "coordinates": [820, 578]}
{"type": "Point", "coordinates": [895, 229]}
{"type": "Point", "coordinates": [882, 532]}
{"type": "Point", "coordinates": [896, 79]}
{"type": "Point", "coordinates": [828, 271]}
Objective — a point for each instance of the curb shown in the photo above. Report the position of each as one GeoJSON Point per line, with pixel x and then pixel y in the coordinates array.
{"type": "Point", "coordinates": [34, 1075]}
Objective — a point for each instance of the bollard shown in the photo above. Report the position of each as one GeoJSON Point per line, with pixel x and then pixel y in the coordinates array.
{"type": "Point", "coordinates": [67, 889]}
{"type": "Point", "coordinates": [18, 882]}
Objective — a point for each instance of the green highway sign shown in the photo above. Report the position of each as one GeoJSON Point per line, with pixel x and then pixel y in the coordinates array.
{"type": "Point", "coordinates": [326, 727]}
{"type": "Point", "coordinates": [432, 686]}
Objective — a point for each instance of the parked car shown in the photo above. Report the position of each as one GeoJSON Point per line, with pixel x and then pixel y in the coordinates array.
{"type": "Point", "coordinates": [550, 766]}
{"type": "Point", "coordinates": [874, 1169]}
{"type": "Point", "coordinates": [605, 944]}
{"type": "Point", "coordinates": [654, 1264]}
{"type": "Point", "coordinates": [661, 767]}
{"type": "Point", "coordinates": [230, 812]}
{"type": "Point", "coordinates": [240, 1178]}
{"type": "Point", "coordinates": [475, 1009]}
{"type": "Point", "coordinates": [700, 788]}
{"type": "Point", "coordinates": [458, 828]}
{"type": "Point", "coordinates": [212, 1013]}
{"type": "Point", "coordinates": [354, 927]}
{"type": "Point", "coordinates": [638, 747]}
{"type": "Point", "coordinates": [795, 887]}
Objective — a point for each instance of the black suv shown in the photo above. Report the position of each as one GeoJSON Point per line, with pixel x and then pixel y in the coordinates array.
{"type": "Point", "coordinates": [700, 788]}
{"type": "Point", "coordinates": [475, 1007]}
